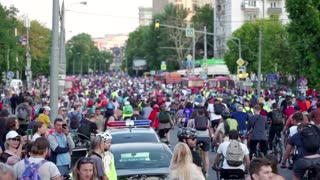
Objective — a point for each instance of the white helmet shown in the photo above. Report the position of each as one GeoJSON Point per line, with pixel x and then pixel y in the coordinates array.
{"type": "Point", "coordinates": [105, 136]}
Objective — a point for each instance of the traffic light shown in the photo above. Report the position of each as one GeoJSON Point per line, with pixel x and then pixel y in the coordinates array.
{"type": "Point", "coordinates": [242, 74]}
{"type": "Point", "coordinates": [4, 77]}
{"type": "Point", "coordinates": [157, 25]}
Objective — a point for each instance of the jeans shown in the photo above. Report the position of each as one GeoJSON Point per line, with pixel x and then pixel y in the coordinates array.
{"type": "Point", "coordinates": [64, 170]}
{"type": "Point", "coordinates": [253, 146]}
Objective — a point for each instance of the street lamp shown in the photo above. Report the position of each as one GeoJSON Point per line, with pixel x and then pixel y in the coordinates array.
{"type": "Point", "coordinates": [62, 55]}
{"type": "Point", "coordinates": [28, 71]}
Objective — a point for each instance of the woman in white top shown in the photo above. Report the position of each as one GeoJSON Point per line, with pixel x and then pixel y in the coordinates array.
{"type": "Point", "coordinates": [181, 167]}
{"type": "Point", "coordinates": [39, 130]}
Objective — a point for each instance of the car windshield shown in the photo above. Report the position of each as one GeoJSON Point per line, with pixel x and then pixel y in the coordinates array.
{"type": "Point", "coordinates": [133, 137]}
{"type": "Point", "coordinates": [142, 159]}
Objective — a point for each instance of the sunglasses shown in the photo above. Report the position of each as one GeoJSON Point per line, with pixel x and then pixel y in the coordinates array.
{"type": "Point", "coordinates": [15, 139]}
{"type": "Point", "coordinates": [193, 139]}
{"type": "Point", "coordinates": [85, 160]}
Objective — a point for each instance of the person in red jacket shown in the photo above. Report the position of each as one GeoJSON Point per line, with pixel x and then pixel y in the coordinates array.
{"type": "Point", "coordinates": [302, 104]}
{"type": "Point", "coordinates": [153, 116]}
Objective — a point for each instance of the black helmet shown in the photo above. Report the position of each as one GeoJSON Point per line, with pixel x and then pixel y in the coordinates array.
{"type": "Point", "coordinates": [186, 133]}
{"type": "Point", "coordinates": [225, 115]}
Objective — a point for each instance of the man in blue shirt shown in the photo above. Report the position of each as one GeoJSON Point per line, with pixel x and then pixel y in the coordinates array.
{"type": "Point", "coordinates": [242, 119]}
{"type": "Point", "coordinates": [61, 144]}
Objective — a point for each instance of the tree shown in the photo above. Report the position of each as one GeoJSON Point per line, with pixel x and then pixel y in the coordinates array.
{"type": "Point", "coordinates": [304, 38]}
{"type": "Point", "coordinates": [40, 42]}
{"type": "Point", "coordinates": [274, 52]}
{"type": "Point", "coordinates": [82, 55]}
{"type": "Point", "coordinates": [8, 41]}
{"type": "Point", "coordinates": [167, 44]}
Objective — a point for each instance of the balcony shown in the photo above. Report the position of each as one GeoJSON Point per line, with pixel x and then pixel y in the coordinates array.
{"type": "Point", "coordinates": [247, 8]}
{"type": "Point", "coordinates": [274, 10]}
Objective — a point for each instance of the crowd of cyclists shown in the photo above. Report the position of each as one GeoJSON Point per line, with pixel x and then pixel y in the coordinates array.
{"type": "Point", "coordinates": [250, 132]}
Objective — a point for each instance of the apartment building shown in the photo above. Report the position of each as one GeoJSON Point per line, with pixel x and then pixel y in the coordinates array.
{"type": "Point", "coordinates": [232, 14]}
{"type": "Point", "coordinates": [145, 16]}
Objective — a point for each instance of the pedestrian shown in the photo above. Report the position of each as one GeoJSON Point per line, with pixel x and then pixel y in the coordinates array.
{"type": "Point", "coordinates": [84, 169]}
{"type": "Point", "coordinates": [7, 172]}
{"type": "Point", "coordinates": [61, 144]}
{"type": "Point", "coordinates": [38, 130]}
{"type": "Point", "coordinates": [39, 152]}
{"type": "Point", "coordinates": [181, 167]}
{"type": "Point", "coordinates": [13, 148]}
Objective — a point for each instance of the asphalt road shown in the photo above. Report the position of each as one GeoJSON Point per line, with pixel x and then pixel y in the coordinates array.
{"type": "Point", "coordinates": [212, 174]}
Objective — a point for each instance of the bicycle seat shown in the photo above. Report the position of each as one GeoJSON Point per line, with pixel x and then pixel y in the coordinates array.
{"type": "Point", "coordinates": [232, 174]}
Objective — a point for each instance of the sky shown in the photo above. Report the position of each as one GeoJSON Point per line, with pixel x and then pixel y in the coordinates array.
{"type": "Point", "coordinates": [97, 18]}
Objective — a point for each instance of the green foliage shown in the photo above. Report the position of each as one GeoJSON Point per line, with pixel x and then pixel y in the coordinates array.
{"type": "Point", "coordinates": [82, 55]}
{"type": "Point", "coordinates": [167, 44]}
{"type": "Point", "coordinates": [304, 38]}
{"type": "Point", "coordinates": [8, 41]}
{"type": "Point", "coordinates": [275, 49]}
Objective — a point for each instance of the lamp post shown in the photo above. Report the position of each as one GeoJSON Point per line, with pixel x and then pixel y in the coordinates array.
{"type": "Point", "coordinates": [54, 62]}
{"type": "Point", "coordinates": [28, 71]}
{"type": "Point", "coordinates": [62, 54]}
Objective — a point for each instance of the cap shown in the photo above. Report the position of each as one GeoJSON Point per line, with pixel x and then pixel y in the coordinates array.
{"type": "Point", "coordinates": [11, 134]}
{"type": "Point", "coordinates": [47, 108]}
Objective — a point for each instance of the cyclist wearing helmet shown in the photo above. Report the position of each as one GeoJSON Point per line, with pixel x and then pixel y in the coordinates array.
{"type": "Point", "coordinates": [108, 158]}
{"type": "Point", "coordinates": [109, 115]}
{"type": "Point", "coordinates": [189, 136]}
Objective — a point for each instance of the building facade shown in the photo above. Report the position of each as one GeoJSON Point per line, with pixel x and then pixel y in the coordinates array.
{"type": "Point", "coordinates": [145, 16]}
{"type": "Point", "coordinates": [230, 15]}
{"type": "Point", "coordinates": [159, 5]}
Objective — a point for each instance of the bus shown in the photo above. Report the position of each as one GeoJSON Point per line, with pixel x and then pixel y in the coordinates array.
{"type": "Point", "coordinates": [220, 82]}
{"type": "Point", "coordinates": [192, 82]}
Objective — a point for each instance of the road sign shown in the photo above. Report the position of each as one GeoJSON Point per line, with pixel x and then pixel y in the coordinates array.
{"type": "Point", "coordinates": [302, 81]}
{"type": "Point", "coordinates": [190, 32]}
{"type": "Point", "coordinates": [272, 77]}
{"type": "Point", "coordinates": [163, 66]}
{"type": "Point", "coordinates": [10, 74]}
{"type": "Point", "coordinates": [240, 62]}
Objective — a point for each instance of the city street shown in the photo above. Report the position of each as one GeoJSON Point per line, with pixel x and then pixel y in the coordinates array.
{"type": "Point", "coordinates": [212, 174]}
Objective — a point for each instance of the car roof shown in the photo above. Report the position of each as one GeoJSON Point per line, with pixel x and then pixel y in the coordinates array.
{"type": "Point", "coordinates": [132, 147]}
{"type": "Point", "coordinates": [132, 130]}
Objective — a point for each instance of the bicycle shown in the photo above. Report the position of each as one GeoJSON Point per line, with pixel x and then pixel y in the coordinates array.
{"type": "Point", "coordinates": [277, 148]}
{"type": "Point", "coordinates": [200, 152]}
{"type": "Point", "coordinates": [258, 153]}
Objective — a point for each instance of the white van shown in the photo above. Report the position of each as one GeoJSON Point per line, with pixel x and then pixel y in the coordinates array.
{"type": "Point", "coordinates": [16, 84]}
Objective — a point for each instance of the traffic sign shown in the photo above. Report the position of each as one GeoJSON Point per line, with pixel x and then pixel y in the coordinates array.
{"type": "Point", "coordinates": [190, 32]}
{"type": "Point", "coordinates": [302, 81]}
{"type": "Point", "coordinates": [10, 74]}
{"type": "Point", "coordinates": [240, 62]}
{"type": "Point", "coordinates": [163, 67]}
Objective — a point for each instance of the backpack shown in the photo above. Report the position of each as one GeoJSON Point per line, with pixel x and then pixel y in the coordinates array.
{"type": "Point", "coordinates": [235, 154]}
{"type": "Point", "coordinates": [231, 124]}
{"type": "Point", "coordinates": [312, 172]}
{"type": "Point", "coordinates": [277, 117]}
{"type": "Point", "coordinates": [201, 123]}
{"type": "Point", "coordinates": [22, 112]}
{"type": "Point", "coordinates": [31, 170]}
{"type": "Point", "coordinates": [310, 138]}
{"type": "Point", "coordinates": [164, 117]}
{"type": "Point", "coordinates": [218, 108]}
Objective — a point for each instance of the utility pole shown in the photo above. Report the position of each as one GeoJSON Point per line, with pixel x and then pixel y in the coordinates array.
{"type": "Point", "coordinates": [214, 29]}
{"type": "Point", "coordinates": [205, 49]}
{"type": "Point", "coordinates": [28, 71]}
{"type": "Point", "coordinates": [259, 60]}
{"type": "Point", "coordinates": [193, 53]}
{"type": "Point", "coordinates": [54, 62]}
{"type": "Point", "coordinates": [62, 53]}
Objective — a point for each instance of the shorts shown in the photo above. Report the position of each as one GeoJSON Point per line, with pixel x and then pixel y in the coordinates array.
{"type": "Point", "coordinates": [215, 123]}
{"type": "Point", "coordinates": [163, 132]}
{"type": "Point", "coordinates": [301, 166]}
{"type": "Point", "coordinates": [205, 141]}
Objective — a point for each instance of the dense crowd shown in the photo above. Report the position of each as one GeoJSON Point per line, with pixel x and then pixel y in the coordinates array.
{"type": "Point", "coordinates": [236, 124]}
